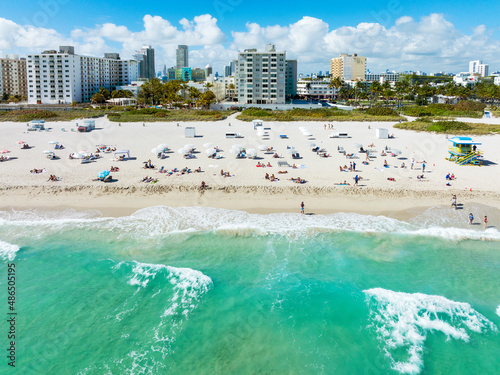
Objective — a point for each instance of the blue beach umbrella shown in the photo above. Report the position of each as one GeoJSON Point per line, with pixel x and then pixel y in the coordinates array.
{"type": "Point", "coordinates": [103, 174]}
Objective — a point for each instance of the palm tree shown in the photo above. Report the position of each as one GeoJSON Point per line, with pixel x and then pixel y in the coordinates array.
{"type": "Point", "coordinates": [336, 83]}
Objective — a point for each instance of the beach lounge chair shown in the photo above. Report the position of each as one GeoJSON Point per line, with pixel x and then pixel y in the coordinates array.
{"type": "Point", "coordinates": [341, 149]}
{"type": "Point", "coordinates": [283, 164]}
{"type": "Point", "coordinates": [283, 136]}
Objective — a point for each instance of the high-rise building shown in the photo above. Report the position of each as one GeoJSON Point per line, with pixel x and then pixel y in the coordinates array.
{"type": "Point", "coordinates": [291, 78]}
{"type": "Point", "coordinates": [227, 71]}
{"type": "Point", "coordinates": [13, 76]}
{"type": "Point", "coordinates": [348, 67]}
{"type": "Point", "coordinates": [260, 77]}
{"type": "Point", "coordinates": [182, 57]}
{"type": "Point", "coordinates": [63, 77]}
{"type": "Point", "coordinates": [477, 67]}
{"type": "Point", "coordinates": [146, 58]}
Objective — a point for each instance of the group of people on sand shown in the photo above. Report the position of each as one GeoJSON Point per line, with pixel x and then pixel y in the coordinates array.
{"type": "Point", "coordinates": [37, 171]}
{"type": "Point", "coordinates": [179, 172]}
{"type": "Point", "coordinates": [271, 178]}
{"type": "Point", "coordinates": [450, 176]}
{"type": "Point", "coordinates": [328, 126]}
{"type": "Point", "coordinates": [262, 165]}
{"type": "Point", "coordinates": [25, 146]}
{"type": "Point", "coordinates": [225, 174]}
{"type": "Point", "coordinates": [4, 158]}
{"type": "Point", "coordinates": [471, 215]}
{"type": "Point", "coordinates": [351, 168]}
{"type": "Point", "coordinates": [148, 165]}
{"type": "Point", "coordinates": [109, 149]}
{"type": "Point", "coordinates": [53, 177]}
{"type": "Point", "coordinates": [58, 147]}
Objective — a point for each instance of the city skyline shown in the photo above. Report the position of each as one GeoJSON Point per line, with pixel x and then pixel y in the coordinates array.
{"type": "Point", "coordinates": [390, 36]}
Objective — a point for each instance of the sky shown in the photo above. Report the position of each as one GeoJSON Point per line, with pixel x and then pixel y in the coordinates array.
{"type": "Point", "coordinates": [430, 36]}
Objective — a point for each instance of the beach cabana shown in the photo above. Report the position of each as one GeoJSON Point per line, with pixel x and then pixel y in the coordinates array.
{"type": "Point", "coordinates": [190, 132]}
{"type": "Point", "coordinates": [122, 152]}
{"type": "Point", "coordinates": [257, 124]}
{"type": "Point", "coordinates": [37, 125]}
{"type": "Point", "coordinates": [87, 126]}
{"type": "Point", "coordinates": [464, 151]}
{"type": "Point", "coordinates": [382, 133]}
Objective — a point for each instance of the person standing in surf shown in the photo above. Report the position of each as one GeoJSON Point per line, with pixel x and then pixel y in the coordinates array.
{"type": "Point", "coordinates": [471, 218]}
{"type": "Point", "coordinates": [485, 222]}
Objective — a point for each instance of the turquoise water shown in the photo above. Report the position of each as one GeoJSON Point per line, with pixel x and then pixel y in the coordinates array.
{"type": "Point", "coordinates": [209, 291]}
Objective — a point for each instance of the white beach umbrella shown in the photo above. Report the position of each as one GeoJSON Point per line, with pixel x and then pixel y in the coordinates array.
{"type": "Point", "coordinates": [156, 150]}
{"type": "Point", "coordinates": [263, 147]}
{"type": "Point", "coordinates": [252, 153]}
{"type": "Point", "coordinates": [47, 152]}
{"type": "Point", "coordinates": [189, 146]}
{"type": "Point", "coordinates": [78, 156]}
{"type": "Point", "coordinates": [237, 147]}
{"type": "Point", "coordinates": [53, 142]}
{"type": "Point", "coordinates": [210, 151]}
{"type": "Point", "coordinates": [162, 146]}
{"type": "Point", "coordinates": [357, 145]}
{"type": "Point", "coordinates": [183, 151]}
{"type": "Point", "coordinates": [311, 144]}
{"type": "Point", "coordinates": [396, 152]}
{"type": "Point", "coordinates": [291, 151]}
{"type": "Point", "coordinates": [208, 145]}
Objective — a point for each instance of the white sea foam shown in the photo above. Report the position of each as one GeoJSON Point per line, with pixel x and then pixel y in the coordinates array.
{"type": "Point", "coordinates": [159, 221]}
{"type": "Point", "coordinates": [498, 310]}
{"type": "Point", "coordinates": [402, 321]}
{"type": "Point", "coordinates": [8, 251]}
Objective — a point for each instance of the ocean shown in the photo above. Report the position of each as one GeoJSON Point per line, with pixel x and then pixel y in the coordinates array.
{"type": "Point", "coordinates": [213, 291]}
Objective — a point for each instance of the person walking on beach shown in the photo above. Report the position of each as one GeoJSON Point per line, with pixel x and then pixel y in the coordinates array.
{"type": "Point", "coordinates": [471, 218]}
{"type": "Point", "coordinates": [302, 208]}
{"type": "Point", "coordinates": [454, 201]}
{"type": "Point", "coordinates": [412, 161]}
{"type": "Point", "coordinates": [423, 166]}
{"type": "Point", "coordinates": [485, 222]}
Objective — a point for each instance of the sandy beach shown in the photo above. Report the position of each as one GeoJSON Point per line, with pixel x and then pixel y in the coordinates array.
{"type": "Point", "coordinates": [246, 189]}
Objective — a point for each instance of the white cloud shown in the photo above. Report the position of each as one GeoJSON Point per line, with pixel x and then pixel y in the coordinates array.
{"type": "Point", "coordinates": [430, 43]}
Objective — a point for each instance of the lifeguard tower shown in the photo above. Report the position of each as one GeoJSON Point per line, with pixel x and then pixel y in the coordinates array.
{"type": "Point", "coordinates": [464, 151]}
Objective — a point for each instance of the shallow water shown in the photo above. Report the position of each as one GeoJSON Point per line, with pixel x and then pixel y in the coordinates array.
{"type": "Point", "coordinates": [197, 290]}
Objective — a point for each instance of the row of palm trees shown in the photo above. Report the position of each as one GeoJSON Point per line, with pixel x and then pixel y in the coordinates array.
{"type": "Point", "coordinates": [405, 90]}
{"type": "Point", "coordinates": [155, 92]}
{"type": "Point", "coordinates": [174, 93]}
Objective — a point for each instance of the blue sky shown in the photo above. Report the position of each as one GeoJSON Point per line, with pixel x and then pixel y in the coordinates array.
{"type": "Point", "coordinates": [335, 24]}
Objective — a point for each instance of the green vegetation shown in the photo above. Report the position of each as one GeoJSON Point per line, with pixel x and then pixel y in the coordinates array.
{"type": "Point", "coordinates": [322, 114]}
{"type": "Point", "coordinates": [154, 115]}
{"type": "Point", "coordinates": [25, 115]}
{"type": "Point", "coordinates": [461, 109]}
{"type": "Point", "coordinates": [453, 127]}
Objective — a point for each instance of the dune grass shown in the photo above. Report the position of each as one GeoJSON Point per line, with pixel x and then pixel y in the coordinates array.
{"type": "Point", "coordinates": [450, 127]}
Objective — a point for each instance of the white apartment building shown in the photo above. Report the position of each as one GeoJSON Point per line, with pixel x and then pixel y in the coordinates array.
{"type": "Point", "coordinates": [465, 79]}
{"type": "Point", "coordinates": [496, 81]}
{"type": "Point", "coordinates": [260, 76]}
{"type": "Point", "coordinates": [63, 77]}
{"type": "Point", "coordinates": [316, 89]}
{"type": "Point", "coordinates": [478, 67]}
{"type": "Point", "coordinates": [348, 67]}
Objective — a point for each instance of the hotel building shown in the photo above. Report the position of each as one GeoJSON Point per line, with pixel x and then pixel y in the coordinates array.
{"type": "Point", "coordinates": [348, 67]}
{"type": "Point", "coordinates": [13, 76]}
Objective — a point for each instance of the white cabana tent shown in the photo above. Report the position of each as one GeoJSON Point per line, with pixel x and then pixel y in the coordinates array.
{"type": "Point", "coordinates": [125, 152]}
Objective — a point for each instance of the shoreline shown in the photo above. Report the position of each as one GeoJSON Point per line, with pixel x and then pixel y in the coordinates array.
{"type": "Point", "coordinates": [116, 201]}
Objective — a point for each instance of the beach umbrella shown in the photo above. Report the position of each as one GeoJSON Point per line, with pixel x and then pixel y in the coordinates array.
{"type": "Point", "coordinates": [78, 156]}
{"type": "Point", "coordinates": [162, 146]}
{"type": "Point", "coordinates": [311, 144]}
{"type": "Point", "coordinates": [103, 147]}
{"type": "Point", "coordinates": [396, 152]}
{"type": "Point", "coordinates": [208, 145]}
{"type": "Point", "coordinates": [263, 147]}
{"type": "Point", "coordinates": [103, 174]}
{"type": "Point", "coordinates": [252, 153]}
{"type": "Point", "coordinates": [234, 151]}
{"type": "Point", "coordinates": [183, 151]}
{"type": "Point", "coordinates": [189, 146]}
{"type": "Point", "coordinates": [47, 152]}
{"type": "Point", "coordinates": [357, 145]}
{"type": "Point", "coordinates": [210, 151]}
{"type": "Point", "coordinates": [53, 142]}
{"type": "Point", "coordinates": [20, 142]}
{"type": "Point", "coordinates": [4, 152]}
{"type": "Point", "coordinates": [156, 150]}
{"type": "Point", "coordinates": [291, 151]}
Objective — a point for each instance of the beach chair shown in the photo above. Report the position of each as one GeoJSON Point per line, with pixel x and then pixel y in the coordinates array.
{"type": "Point", "coordinates": [283, 136]}
{"type": "Point", "coordinates": [283, 164]}
{"type": "Point", "coordinates": [341, 149]}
